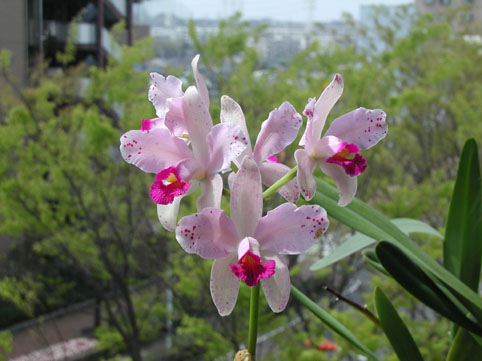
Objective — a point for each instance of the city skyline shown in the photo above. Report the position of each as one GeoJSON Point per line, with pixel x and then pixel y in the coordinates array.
{"type": "Point", "coordinates": [283, 10]}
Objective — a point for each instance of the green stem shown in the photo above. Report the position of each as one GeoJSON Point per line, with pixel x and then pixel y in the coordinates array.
{"type": "Point", "coordinates": [253, 320]}
{"type": "Point", "coordinates": [280, 182]}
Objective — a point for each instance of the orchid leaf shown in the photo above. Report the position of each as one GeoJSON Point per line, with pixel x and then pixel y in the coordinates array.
{"type": "Point", "coordinates": [464, 347]}
{"type": "Point", "coordinates": [332, 323]}
{"type": "Point", "coordinates": [358, 241]}
{"type": "Point", "coordinates": [395, 330]}
{"type": "Point", "coordinates": [363, 218]}
{"type": "Point", "coordinates": [462, 244]}
{"type": "Point", "coordinates": [372, 260]}
{"type": "Point", "coordinates": [415, 280]}
{"type": "Point", "coordinates": [409, 226]}
{"type": "Point", "coordinates": [351, 245]}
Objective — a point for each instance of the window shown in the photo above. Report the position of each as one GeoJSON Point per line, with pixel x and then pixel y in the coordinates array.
{"type": "Point", "coordinates": [445, 2]}
{"type": "Point", "coordinates": [429, 2]}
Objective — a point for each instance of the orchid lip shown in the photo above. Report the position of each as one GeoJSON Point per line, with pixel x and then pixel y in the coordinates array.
{"type": "Point", "coordinates": [251, 270]}
{"type": "Point", "coordinates": [167, 186]}
{"type": "Point", "coordinates": [353, 166]}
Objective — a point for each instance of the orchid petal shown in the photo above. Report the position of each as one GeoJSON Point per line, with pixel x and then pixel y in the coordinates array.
{"type": "Point", "coordinates": [327, 146]}
{"type": "Point", "coordinates": [224, 284]}
{"type": "Point", "coordinates": [277, 288]}
{"type": "Point", "coordinates": [306, 166]}
{"type": "Point", "coordinates": [362, 127]}
{"type": "Point", "coordinates": [209, 234]}
{"type": "Point", "coordinates": [167, 213]}
{"type": "Point", "coordinates": [291, 230]}
{"type": "Point", "coordinates": [306, 138]}
{"type": "Point", "coordinates": [153, 150]}
{"type": "Point", "coordinates": [201, 85]}
{"type": "Point", "coordinates": [232, 113]}
{"type": "Point", "coordinates": [247, 198]}
{"type": "Point", "coordinates": [211, 192]}
{"type": "Point", "coordinates": [163, 89]}
{"type": "Point", "coordinates": [324, 104]}
{"type": "Point", "coordinates": [175, 117]}
{"type": "Point", "coordinates": [225, 144]}
{"type": "Point", "coordinates": [231, 178]}
{"type": "Point", "coordinates": [277, 132]}
{"type": "Point", "coordinates": [346, 184]}
{"type": "Point", "coordinates": [198, 123]}
{"type": "Point", "coordinates": [272, 172]}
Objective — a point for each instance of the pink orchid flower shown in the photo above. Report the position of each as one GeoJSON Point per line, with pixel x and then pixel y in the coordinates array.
{"type": "Point", "coordinates": [337, 152]}
{"type": "Point", "coordinates": [277, 132]}
{"type": "Point", "coordinates": [247, 246]}
{"type": "Point", "coordinates": [155, 148]}
{"type": "Point", "coordinates": [166, 94]}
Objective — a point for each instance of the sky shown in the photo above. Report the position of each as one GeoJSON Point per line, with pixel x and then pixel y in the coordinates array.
{"type": "Point", "coordinates": [294, 10]}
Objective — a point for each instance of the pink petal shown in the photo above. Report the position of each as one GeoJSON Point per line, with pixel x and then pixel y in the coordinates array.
{"type": "Point", "coordinates": [149, 124]}
{"type": "Point", "coordinates": [306, 166]}
{"type": "Point", "coordinates": [175, 118]}
{"type": "Point", "coordinates": [327, 147]}
{"type": "Point", "coordinates": [363, 127]}
{"type": "Point", "coordinates": [198, 123]}
{"type": "Point", "coordinates": [271, 172]}
{"type": "Point", "coordinates": [232, 113]}
{"type": "Point", "coordinates": [209, 234]}
{"type": "Point", "coordinates": [225, 144]}
{"type": "Point", "coordinates": [224, 285]}
{"type": "Point", "coordinates": [291, 230]}
{"type": "Point", "coordinates": [324, 104]}
{"type": "Point", "coordinates": [306, 138]}
{"type": "Point", "coordinates": [153, 150]}
{"type": "Point", "coordinates": [162, 89]}
{"type": "Point", "coordinates": [277, 132]}
{"type": "Point", "coordinates": [277, 288]}
{"type": "Point", "coordinates": [201, 85]}
{"type": "Point", "coordinates": [167, 214]}
{"type": "Point", "coordinates": [346, 184]}
{"type": "Point", "coordinates": [211, 192]}
{"type": "Point", "coordinates": [246, 198]}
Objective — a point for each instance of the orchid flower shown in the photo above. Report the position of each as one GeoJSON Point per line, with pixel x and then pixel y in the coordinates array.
{"type": "Point", "coordinates": [337, 152]}
{"type": "Point", "coordinates": [247, 246]}
{"type": "Point", "coordinates": [277, 132]}
{"type": "Point", "coordinates": [179, 170]}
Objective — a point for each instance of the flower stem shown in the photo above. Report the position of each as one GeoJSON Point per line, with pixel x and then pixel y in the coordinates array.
{"type": "Point", "coordinates": [280, 182]}
{"type": "Point", "coordinates": [253, 320]}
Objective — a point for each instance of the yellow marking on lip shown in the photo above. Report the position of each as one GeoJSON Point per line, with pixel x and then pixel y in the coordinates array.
{"type": "Point", "coordinates": [172, 178]}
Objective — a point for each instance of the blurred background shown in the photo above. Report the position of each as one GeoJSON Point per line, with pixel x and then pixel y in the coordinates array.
{"type": "Point", "coordinates": [86, 270]}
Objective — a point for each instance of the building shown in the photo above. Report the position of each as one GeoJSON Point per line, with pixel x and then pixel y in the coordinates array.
{"type": "Point", "coordinates": [37, 29]}
{"type": "Point", "coordinates": [472, 12]}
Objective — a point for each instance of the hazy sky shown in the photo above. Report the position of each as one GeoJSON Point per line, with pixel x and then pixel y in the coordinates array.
{"type": "Point", "coordinates": [296, 10]}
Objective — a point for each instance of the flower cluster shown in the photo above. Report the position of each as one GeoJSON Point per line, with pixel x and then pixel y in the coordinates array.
{"type": "Point", "coordinates": [185, 150]}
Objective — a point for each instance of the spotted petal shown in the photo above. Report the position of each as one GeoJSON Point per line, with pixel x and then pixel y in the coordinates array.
{"type": "Point", "coordinates": [277, 132]}
{"type": "Point", "coordinates": [153, 150]}
{"type": "Point", "coordinates": [209, 234]}
{"type": "Point", "coordinates": [291, 230]}
{"type": "Point", "coordinates": [224, 284]}
{"type": "Point", "coordinates": [362, 127]}
{"type": "Point", "coordinates": [277, 288]}
{"type": "Point", "coordinates": [162, 89]}
{"type": "Point", "coordinates": [226, 142]}
{"type": "Point", "coordinates": [306, 181]}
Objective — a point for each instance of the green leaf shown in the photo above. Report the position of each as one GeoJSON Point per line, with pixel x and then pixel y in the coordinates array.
{"type": "Point", "coordinates": [363, 218]}
{"type": "Point", "coordinates": [372, 260]}
{"type": "Point", "coordinates": [351, 245]}
{"type": "Point", "coordinates": [464, 347]}
{"type": "Point", "coordinates": [409, 225]}
{"type": "Point", "coordinates": [423, 287]}
{"type": "Point", "coordinates": [462, 244]}
{"type": "Point", "coordinates": [395, 330]}
{"type": "Point", "coordinates": [332, 323]}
